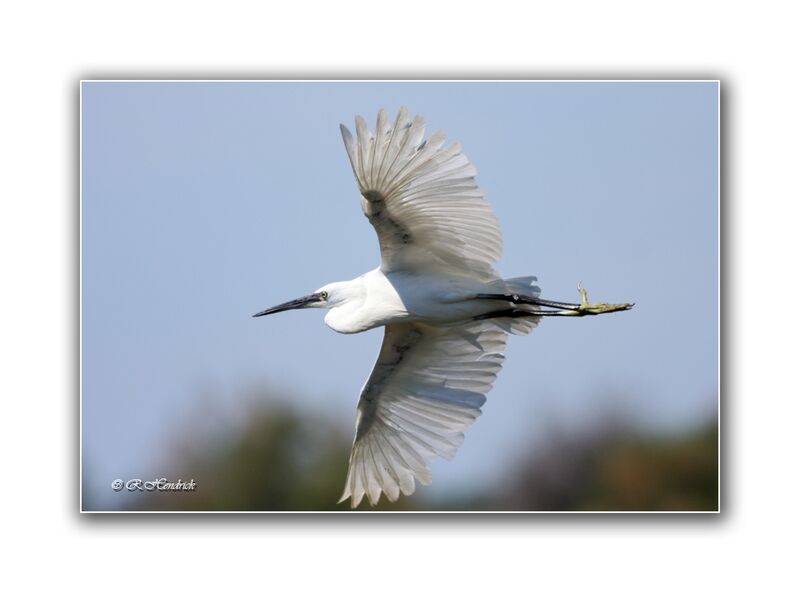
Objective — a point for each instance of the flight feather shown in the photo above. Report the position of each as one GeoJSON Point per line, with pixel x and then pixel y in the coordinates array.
{"type": "Point", "coordinates": [427, 387]}
{"type": "Point", "coordinates": [422, 199]}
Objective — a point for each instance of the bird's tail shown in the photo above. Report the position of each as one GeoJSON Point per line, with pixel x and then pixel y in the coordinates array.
{"type": "Point", "coordinates": [522, 285]}
{"type": "Point", "coordinates": [504, 318]}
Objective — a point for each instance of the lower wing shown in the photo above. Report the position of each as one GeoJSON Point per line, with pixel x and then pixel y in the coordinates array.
{"type": "Point", "coordinates": [426, 388]}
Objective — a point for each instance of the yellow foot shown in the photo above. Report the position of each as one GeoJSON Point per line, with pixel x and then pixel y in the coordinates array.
{"type": "Point", "coordinates": [587, 308]}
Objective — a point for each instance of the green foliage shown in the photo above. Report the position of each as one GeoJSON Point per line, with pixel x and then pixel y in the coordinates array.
{"type": "Point", "coordinates": [614, 469]}
{"type": "Point", "coordinates": [283, 459]}
{"type": "Point", "coordinates": [672, 474]}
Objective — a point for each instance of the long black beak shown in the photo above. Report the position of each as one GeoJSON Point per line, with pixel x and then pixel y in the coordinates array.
{"type": "Point", "coordinates": [295, 304]}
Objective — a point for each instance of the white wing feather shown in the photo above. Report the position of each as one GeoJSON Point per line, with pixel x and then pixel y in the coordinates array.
{"type": "Point", "coordinates": [422, 199]}
{"type": "Point", "coordinates": [426, 388]}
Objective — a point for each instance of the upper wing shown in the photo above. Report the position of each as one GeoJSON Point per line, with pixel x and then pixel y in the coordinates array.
{"type": "Point", "coordinates": [422, 198]}
{"type": "Point", "coordinates": [427, 386]}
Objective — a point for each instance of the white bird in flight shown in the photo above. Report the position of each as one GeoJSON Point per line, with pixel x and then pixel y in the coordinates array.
{"type": "Point", "coordinates": [446, 311]}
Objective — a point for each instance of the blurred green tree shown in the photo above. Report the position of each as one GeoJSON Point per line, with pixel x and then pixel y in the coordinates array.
{"type": "Point", "coordinates": [282, 458]}
{"type": "Point", "coordinates": [613, 468]}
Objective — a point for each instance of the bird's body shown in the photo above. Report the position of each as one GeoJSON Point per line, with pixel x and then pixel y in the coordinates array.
{"type": "Point", "coordinates": [376, 298]}
{"type": "Point", "coordinates": [446, 311]}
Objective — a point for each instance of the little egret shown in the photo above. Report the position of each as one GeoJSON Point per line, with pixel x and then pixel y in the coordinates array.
{"type": "Point", "coordinates": [446, 311]}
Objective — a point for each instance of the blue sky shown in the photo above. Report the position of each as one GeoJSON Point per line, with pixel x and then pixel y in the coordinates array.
{"type": "Point", "coordinates": [203, 203]}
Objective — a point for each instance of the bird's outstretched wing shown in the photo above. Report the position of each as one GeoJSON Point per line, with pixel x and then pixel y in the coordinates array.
{"type": "Point", "coordinates": [427, 386]}
{"type": "Point", "coordinates": [422, 199]}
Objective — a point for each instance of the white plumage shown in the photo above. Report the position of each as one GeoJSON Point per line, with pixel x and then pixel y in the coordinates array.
{"type": "Point", "coordinates": [424, 191]}
{"type": "Point", "coordinates": [427, 386]}
{"type": "Point", "coordinates": [428, 383]}
{"type": "Point", "coordinates": [446, 312]}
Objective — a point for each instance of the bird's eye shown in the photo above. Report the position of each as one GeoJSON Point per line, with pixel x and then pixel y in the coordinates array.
{"type": "Point", "coordinates": [324, 294]}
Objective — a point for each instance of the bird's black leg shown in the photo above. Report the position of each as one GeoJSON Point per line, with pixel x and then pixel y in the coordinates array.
{"type": "Point", "coordinates": [566, 309]}
{"type": "Point", "coordinates": [520, 299]}
{"type": "Point", "coordinates": [514, 313]}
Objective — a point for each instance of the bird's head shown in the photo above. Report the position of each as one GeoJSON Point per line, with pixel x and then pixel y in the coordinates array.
{"type": "Point", "coordinates": [329, 296]}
